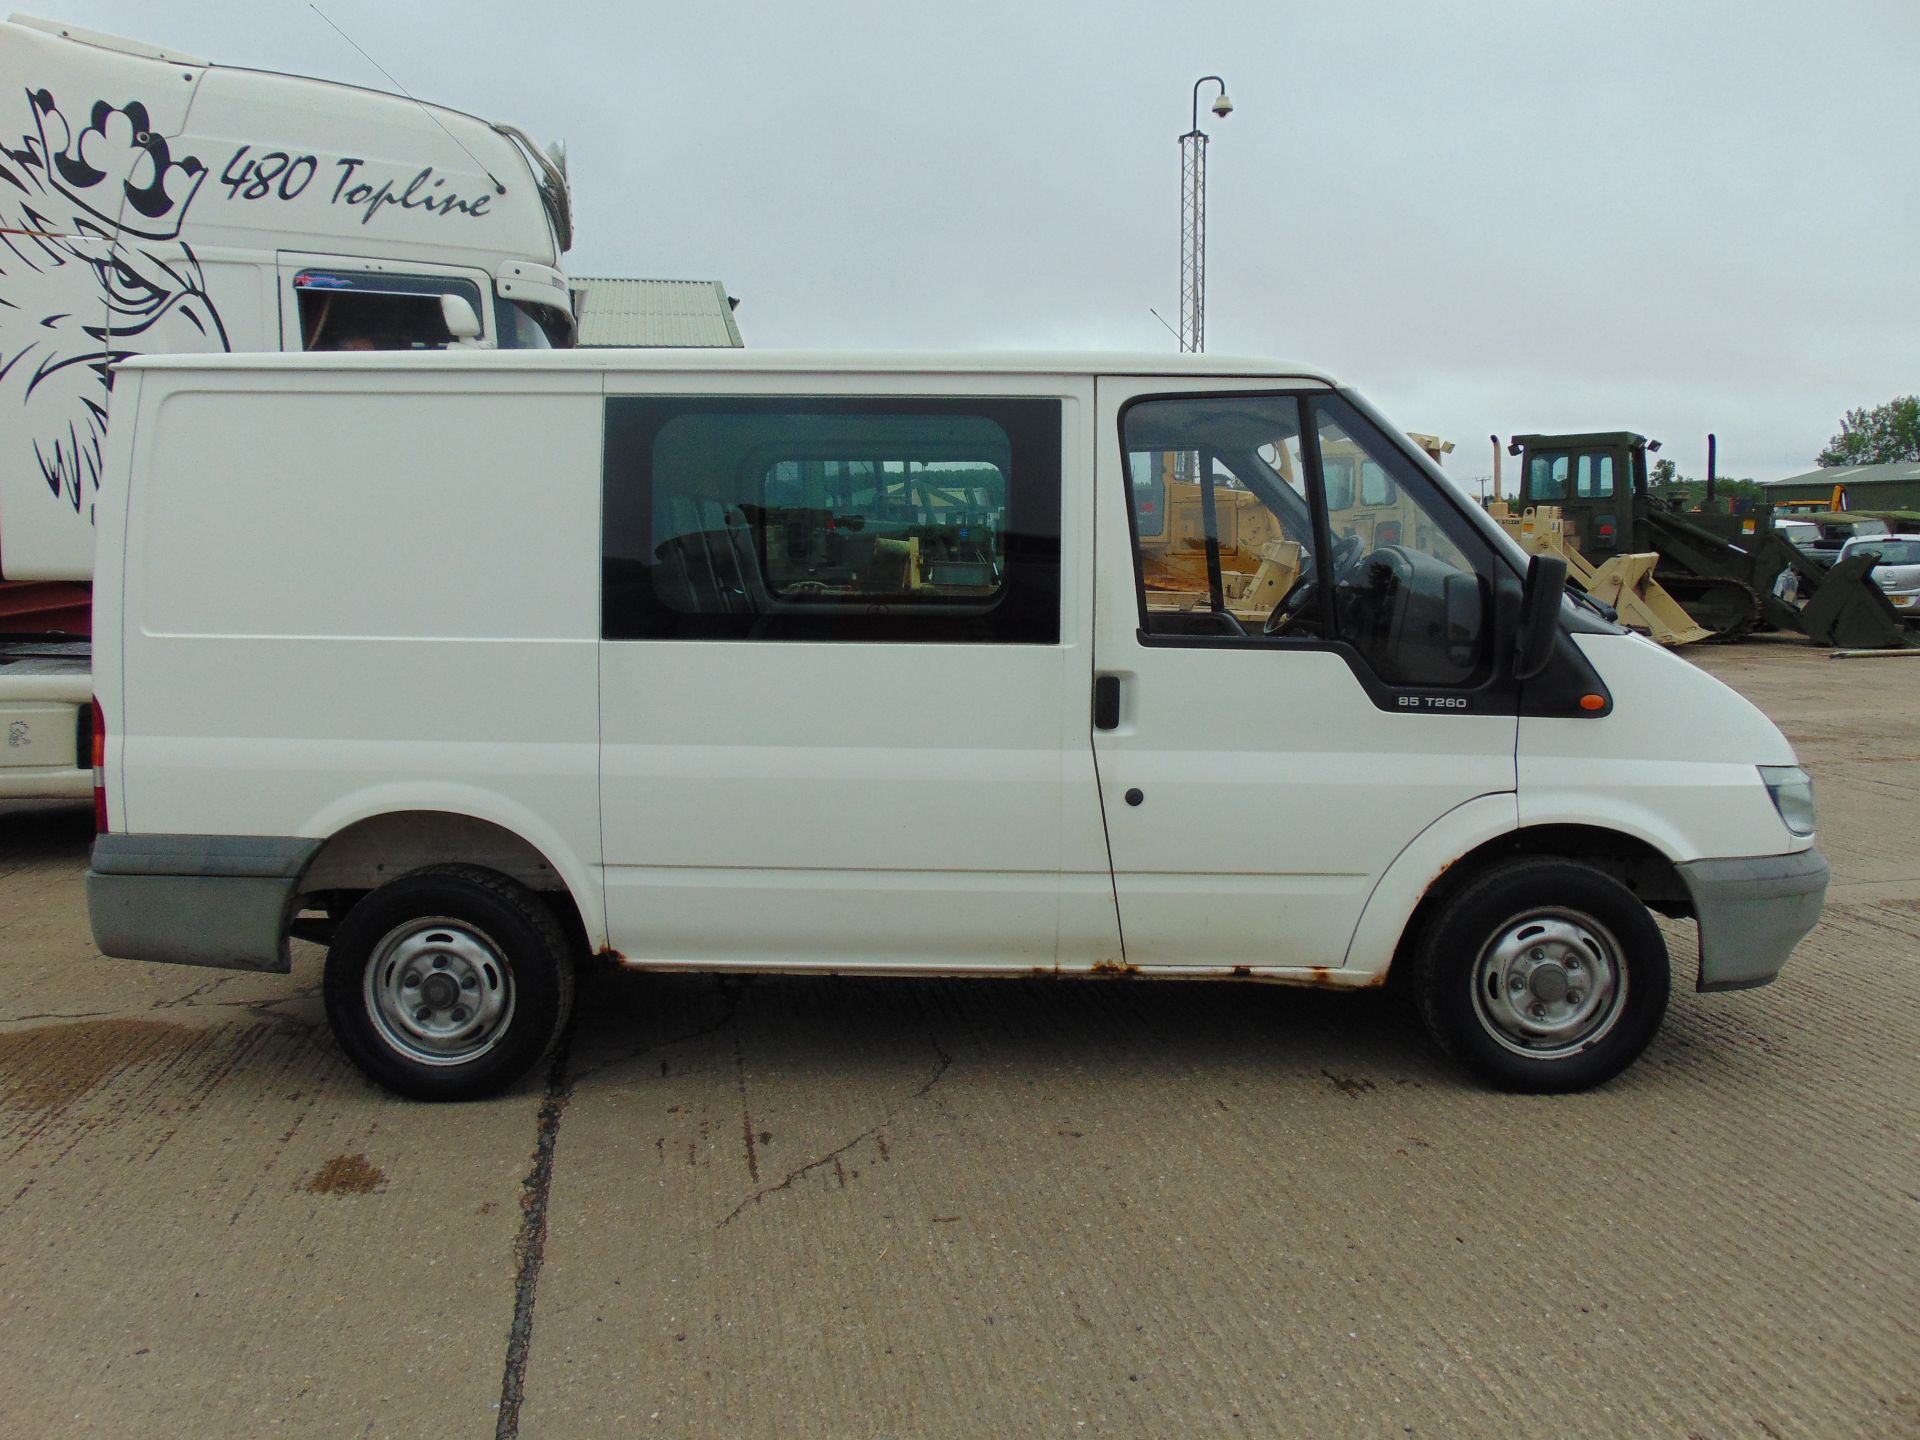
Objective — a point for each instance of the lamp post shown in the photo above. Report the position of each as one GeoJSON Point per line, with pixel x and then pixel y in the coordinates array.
{"type": "Point", "coordinates": [1193, 220]}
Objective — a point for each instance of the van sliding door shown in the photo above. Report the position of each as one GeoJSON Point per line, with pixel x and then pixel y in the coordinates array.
{"type": "Point", "coordinates": [844, 681]}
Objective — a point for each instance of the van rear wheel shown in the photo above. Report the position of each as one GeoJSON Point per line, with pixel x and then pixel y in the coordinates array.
{"type": "Point", "coordinates": [450, 983]}
{"type": "Point", "coordinates": [1543, 975]}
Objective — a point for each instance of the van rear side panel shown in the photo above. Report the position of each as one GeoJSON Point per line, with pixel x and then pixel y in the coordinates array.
{"type": "Point", "coordinates": [341, 601]}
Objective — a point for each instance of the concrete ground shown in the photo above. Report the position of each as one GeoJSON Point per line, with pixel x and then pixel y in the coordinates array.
{"type": "Point", "coordinates": [940, 1208]}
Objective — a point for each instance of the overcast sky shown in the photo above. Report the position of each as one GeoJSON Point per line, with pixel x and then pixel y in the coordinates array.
{"type": "Point", "coordinates": [1492, 217]}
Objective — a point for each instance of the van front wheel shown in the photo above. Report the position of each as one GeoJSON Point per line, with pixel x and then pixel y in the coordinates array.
{"type": "Point", "coordinates": [1543, 975]}
{"type": "Point", "coordinates": [449, 983]}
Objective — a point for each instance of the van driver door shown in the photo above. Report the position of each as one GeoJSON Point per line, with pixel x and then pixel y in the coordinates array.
{"type": "Point", "coordinates": [1299, 623]}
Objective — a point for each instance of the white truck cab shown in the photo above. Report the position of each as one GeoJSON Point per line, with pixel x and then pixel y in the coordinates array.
{"type": "Point", "coordinates": [153, 202]}
{"type": "Point", "coordinates": [470, 665]}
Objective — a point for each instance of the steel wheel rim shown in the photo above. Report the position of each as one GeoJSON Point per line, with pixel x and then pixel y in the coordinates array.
{"type": "Point", "coordinates": [439, 991]}
{"type": "Point", "coordinates": [1551, 983]}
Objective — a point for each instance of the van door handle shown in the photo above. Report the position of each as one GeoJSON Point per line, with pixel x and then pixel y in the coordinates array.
{"type": "Point", "coordinates": [1106, 702]}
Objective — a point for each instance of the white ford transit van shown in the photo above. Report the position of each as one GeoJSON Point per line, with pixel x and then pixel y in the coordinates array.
{"type": "Point", "coordinates": [472, 665]}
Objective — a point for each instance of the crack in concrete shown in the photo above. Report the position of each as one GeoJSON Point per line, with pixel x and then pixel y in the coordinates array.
{"type": "Point", "coordinates": [732, 994]}
{"type": "Point", "coordinates": [199, 990]}
{"type": "Point", "coordinates": [65, 1015]}
{"type": "Point", "coordinates": [267, 1009]}
{"type": "Point", "coordinates": [832, 1157]}
{"type": "Point", "coordinates": [746, 1113]}
{"type": "Point", "coordinates": [529, 1246]}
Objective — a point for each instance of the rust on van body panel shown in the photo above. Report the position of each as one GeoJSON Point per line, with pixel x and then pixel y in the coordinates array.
{"type": "Point", "coordinates": [1313, 977]}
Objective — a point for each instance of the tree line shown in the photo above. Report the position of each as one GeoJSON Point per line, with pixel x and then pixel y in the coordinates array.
{"type": "Point", "coordinates": [1884, 435]}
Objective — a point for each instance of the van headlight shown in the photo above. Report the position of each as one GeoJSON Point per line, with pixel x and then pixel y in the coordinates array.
{"type": "Point", "coordinates": [1792, 792]}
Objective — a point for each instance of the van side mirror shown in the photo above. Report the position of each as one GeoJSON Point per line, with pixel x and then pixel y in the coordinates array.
{"type": "Point", "coordinates": [1461, 598]}
{"type": "Point", "coordinates": [462, 324]}
{"type": "Point", "coordinates": [1540, 615]}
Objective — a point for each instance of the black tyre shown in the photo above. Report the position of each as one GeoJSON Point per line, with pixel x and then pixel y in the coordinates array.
{"type": "Point", "coordinates": [449, 983]}
{"type": "Point", "coordinates": [1543, 975]}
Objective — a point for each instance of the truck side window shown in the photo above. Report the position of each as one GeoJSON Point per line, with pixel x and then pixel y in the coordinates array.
{"type": "Point", "coordinates": [1594, 479]}
{"type": "Point", "coordinates": [1248, 547]}
{"type": "Point", "coordinates": [831, 519]}
{"type": "Point", "coordinates": [342, 310]}
{"type": "Point", "coordinates": [1547, 477]}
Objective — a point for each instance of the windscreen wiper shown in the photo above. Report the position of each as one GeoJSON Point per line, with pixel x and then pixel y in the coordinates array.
{"type": "Point", "coordinates": [1580, 596]}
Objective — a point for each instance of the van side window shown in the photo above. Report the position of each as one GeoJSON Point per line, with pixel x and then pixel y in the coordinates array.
{"type": "Point", "coordinates": [1331, 536]}
{"type": "Point", "coordinates": [814, 518]}
{"type": "Point", "coordinates": [1230, 529]}
{"type": "Point", "coordinates": [1410, 579]}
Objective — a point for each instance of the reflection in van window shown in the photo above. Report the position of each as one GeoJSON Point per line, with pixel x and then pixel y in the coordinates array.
{"type": "Point", "coordinates": [1339, 472]}
{"type": "Point", "coordinates": [1406, 593]}
{"type": "Point", "coordinates": [832, 519]}
{"type": "Point", "coordinates": [1149, 489]}
{"type": "Point", "coordinates": [1376, 486]}
{"type": "Point", "coordinates": [1237, 558]}
{"type": "Point", "coordinates": [1233, 532]}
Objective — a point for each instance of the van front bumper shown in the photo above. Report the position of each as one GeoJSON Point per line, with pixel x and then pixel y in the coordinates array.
{"type": "Point", "coordinates": [1752, 912]}
{"type": "Point", "coordinates": [220, 900]}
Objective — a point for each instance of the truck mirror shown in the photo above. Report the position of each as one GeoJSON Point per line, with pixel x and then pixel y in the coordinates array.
{"type": "Point", "coordinates": [1540, 615]}
{"type": "Point", "coordinates": [462, 324]}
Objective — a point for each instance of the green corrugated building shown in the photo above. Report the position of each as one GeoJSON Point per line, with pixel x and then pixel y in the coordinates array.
{"type": "Point", "coordinates": [1869, 487]}
{"type": "Point", "coordinates": [652, 313]}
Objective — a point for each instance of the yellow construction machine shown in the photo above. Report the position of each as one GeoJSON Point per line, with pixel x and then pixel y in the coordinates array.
{"type": "Point", "coordinates": [1259, 562]}
{"type": "Point", "coordinates": [1624, 582]}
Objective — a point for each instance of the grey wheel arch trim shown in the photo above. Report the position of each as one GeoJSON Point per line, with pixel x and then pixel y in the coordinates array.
{"type": "Point", "coordinates": [1752, 911]}
{"type": "Point", "coordinates": [219, 900]}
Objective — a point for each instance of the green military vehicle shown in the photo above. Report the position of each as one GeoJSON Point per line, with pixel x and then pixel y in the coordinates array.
{"type": "Point", "coordinates": [1720, 565]}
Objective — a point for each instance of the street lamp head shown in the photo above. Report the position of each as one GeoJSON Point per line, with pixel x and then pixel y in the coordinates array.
{"type": "Point", "coordinates": [1222, 106]}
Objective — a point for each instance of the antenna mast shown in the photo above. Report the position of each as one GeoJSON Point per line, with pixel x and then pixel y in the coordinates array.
{"type": "Point", "coordinates": [1193, 221]}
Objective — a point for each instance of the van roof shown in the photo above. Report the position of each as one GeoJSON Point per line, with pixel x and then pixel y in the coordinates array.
{"type": "Point", "coordinates": [1025, 362]}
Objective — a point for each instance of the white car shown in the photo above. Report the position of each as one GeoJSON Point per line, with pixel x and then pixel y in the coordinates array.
{"type": "Point", "coordinates": [1896, 570]}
